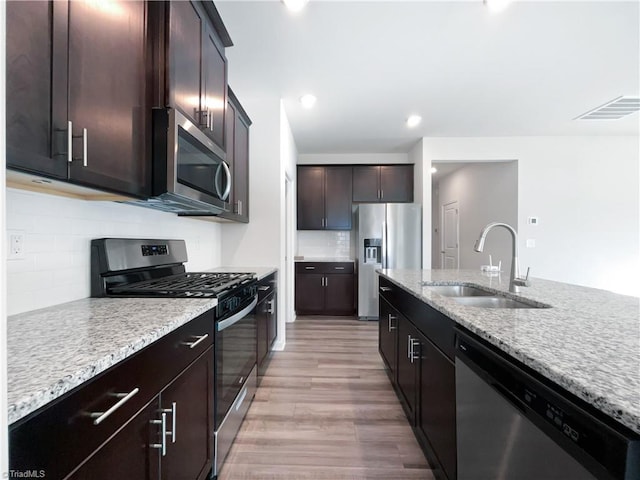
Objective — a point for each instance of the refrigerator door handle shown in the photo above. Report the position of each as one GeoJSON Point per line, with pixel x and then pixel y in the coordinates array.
{"type": "Point", "coordinates": [385, 259]}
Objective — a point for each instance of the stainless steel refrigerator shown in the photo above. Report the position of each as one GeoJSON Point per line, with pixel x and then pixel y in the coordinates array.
{"type": "Point", "coordinates": [389, 235]}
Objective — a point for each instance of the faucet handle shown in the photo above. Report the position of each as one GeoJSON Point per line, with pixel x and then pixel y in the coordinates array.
{"type": "Point", "coordinates": [523, 282]}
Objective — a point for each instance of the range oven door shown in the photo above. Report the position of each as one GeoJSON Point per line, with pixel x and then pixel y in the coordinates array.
{"type": "Point", "coordinates": [186, 163]}
{"type": "Point", "coordinates": [236, 378]}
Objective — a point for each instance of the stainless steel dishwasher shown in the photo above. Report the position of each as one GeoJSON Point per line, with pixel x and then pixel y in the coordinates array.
{"type": "Point", "coordinates": [512, 426]}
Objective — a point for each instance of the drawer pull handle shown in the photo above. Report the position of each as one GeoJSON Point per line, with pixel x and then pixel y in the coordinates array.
{"type": "Point", "coordinates": [199, 340]}
{"type": "Point", "coordinates": [309, 268]}
{"type": "Point", "coordinates": [339, 268]}
{"type": "Point", "coordinates": [385, 289]}
{"type": "Point", "coordinates": [124, 398]}
{"type": "Point", "coordinates": [264, 288]}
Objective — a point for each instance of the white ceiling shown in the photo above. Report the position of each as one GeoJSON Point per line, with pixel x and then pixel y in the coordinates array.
{"type": "Point", "coordinates": [529, 70]}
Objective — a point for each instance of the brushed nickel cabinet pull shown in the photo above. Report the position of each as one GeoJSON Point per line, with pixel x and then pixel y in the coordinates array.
{"type": "Point", "coordinates": [162, 446]}
{"type": "Point", "coordinates": [99, 417]}
{"type": "Point", "coordinates": [199, 340]}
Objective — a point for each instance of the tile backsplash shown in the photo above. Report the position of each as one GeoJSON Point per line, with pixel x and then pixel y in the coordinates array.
{"type": "Point", "coordinates": [57, 231]}
{"type": "Point", "coordinates": [324, 243]}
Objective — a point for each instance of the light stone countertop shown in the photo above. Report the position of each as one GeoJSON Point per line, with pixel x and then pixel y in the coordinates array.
{"type": "Point", "coordinates": [324, 259]}
{"type": "Point", "coordinates": [588, 342]}
{"type": "Point", "coordinates": [261, 272]}
{"type": "Point", "coordinates": [55, 349]}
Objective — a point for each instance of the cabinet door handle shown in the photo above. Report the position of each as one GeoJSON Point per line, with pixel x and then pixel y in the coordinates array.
{"type": "Point", "coordinates": [209, 120]}
{"type": "Point", "coordinates": [391, 318]}
{"type": "Point", "coordinates": [322, 281]}
{"type": "Point", "coordinates": [409, 352]}
{"type": "Point", "coordinates": [99, 417]}
{"type": "Point", "coordinates": [326, 281]}
{"type": "Point", "coordinates": [70, 141]}
{"type": "Point", "coordinates": [239, 207]}
{"type": "Point", "coordinates": [199, 340]}
{"type": "Point", "coordinates": [84, 147]}
{"type": "Point", "coordinates": [163, 434]}
{"type": "Point", "coordinates": [414, 343]}
{"type": "Point", "coordinates": [264, 288]}
{"type": "Point", "coordinates": [270, 306]}
{"type": "Point", "coordinates": [381, 194]}
{"type": "Point", "coordinates": [174, 411]}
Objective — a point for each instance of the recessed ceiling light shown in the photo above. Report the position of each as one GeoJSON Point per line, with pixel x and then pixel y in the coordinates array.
{"type": "Point", "coordinates": [295, 5]}
{"type": "Point", "coordinates": [308, 100]}
{"type": "Point", "coordinates": [413, 121]}
{"type": "Point", "coordinates": [434, 169]}
{"type": "Point", "coordinates": [496, 6]}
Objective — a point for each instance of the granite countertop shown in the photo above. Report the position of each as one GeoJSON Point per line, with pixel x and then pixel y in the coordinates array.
{"type": "Point", "coordinates": [53, 350]}
{"type": "Point", "coordinates": [325, 259]}
{"type": "Point", "coordinates": [588, 342]}
{"type": "Point", "coordinates": [261, 272]}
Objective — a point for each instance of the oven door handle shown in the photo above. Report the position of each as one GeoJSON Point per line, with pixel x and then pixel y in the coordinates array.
{"type": "Point", "coordinates": [236, 317]}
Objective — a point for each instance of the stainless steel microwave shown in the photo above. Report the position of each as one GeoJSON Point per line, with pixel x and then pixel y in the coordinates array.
{"type": "Point", "coordinates": [189, 172]}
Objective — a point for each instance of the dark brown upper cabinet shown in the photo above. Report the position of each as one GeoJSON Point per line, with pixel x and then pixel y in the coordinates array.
{"type": "Point", "coordinates": [237, 141]}
{"type": "Point", "coordinates": [196, 66]}
{"type": "Point", "coordinates": [383, 183]}
{"type": "Point", "coordinates": [324, 197]}
{"type": "Point", "coordinates": [77, 93]}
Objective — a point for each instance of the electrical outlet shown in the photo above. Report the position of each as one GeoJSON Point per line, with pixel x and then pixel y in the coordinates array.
{"type": "Point", "coordinates": [16, 246]}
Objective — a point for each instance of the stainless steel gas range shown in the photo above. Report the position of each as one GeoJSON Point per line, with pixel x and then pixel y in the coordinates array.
{"type": "Point", "coordinates": [124, 267]}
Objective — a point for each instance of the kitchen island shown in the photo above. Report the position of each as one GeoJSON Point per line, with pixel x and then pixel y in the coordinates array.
{"type": "Point", "coordinates": [587, 342]}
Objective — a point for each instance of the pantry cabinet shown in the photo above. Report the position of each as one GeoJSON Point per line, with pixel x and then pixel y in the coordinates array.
{"type": "Point", "coordinates": [68, 116]}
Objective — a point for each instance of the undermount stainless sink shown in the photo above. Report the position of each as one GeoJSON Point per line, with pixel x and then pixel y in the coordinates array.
{"type": "Point", "coordinates": [471, 296]}
{"type": "Point", "coordinates": [458, 291]}
{"type": "Point", "coordinates": [494, 302]}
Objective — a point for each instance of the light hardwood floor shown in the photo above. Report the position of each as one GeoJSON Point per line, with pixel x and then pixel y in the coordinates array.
{"type": "Point", "coordinates": [326, 410]}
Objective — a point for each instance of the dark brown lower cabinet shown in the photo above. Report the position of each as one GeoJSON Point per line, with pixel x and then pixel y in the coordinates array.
{"type": "Point", "coordinates": [128, 455]}
{"type": "Point", "coordinates": [416, 344]}
{"type": "Point", "coordinates": [322, 291]}
{"type": "Point", "coordinates": [388, 337]}
{"type": "Point", "coordinates": [437, 411]}
{"type": "Point", "coordinates": [267, 321]}
{"type": "Point", "coordinates": [112, 426]}
{"type": "Point", "coordinates": [409, 343]}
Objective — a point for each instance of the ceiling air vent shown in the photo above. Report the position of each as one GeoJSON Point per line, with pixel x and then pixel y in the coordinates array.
{"type": "Point", "coordinates": [613, 110]}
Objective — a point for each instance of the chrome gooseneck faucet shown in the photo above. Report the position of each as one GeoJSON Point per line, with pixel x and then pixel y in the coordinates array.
{"type": "Point", "coordinates": [515, 281]}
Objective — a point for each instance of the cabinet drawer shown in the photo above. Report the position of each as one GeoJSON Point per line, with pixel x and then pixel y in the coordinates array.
{"type": "Point", "coordinates": [267, 286]}
{"type": "Point", "coordinates": [62, 434]}
{"type": "Point", "coordinates": [324, 267]}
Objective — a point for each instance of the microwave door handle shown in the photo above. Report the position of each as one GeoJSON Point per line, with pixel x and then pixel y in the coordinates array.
{"type": "Point", "coordinates": [227, 188]}
{"type": "Point", "coordinates": [224, 195]}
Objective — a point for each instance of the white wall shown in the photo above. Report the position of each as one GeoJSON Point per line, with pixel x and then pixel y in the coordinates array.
{"type": "Point", "coordinates": [4, 441]}
{"type": "Point", "coordinates": [485, 192]}
{"type": "Point", "coordinates": [58, 230]}
{"type": "Point", "coordinates": [422, 195]}
{"type": "Point", "coordinates": [585, 191]}
{"type": "Point", "coordinates": [352, 158]}
{"type": "Point", "coordinates": [262, 241]}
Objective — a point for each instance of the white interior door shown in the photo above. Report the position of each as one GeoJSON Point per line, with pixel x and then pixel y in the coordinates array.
{"type": "Point", "coordinates": [450, 235]}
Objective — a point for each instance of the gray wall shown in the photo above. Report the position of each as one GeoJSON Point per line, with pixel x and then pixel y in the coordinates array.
{"type": "Point", "coordinates": [486, 192]}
